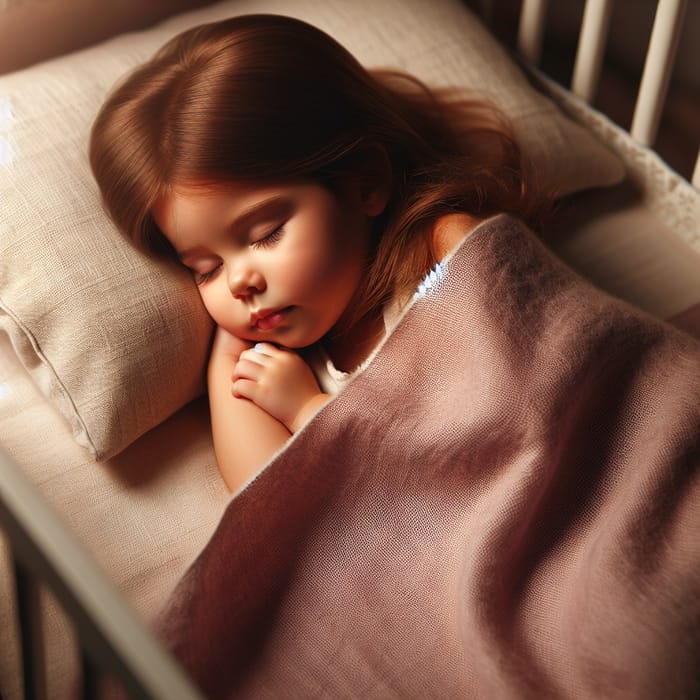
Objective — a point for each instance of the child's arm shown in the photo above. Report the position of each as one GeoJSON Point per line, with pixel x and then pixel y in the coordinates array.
{"type": "Point", "coordinates": [245, 435]}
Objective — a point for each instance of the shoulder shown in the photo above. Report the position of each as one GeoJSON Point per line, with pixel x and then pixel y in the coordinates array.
{"type": "Point", "coordinates": [449, 231]}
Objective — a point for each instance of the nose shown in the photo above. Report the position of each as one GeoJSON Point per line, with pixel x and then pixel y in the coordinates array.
{"type": "Point", "coordinates": [245, 282]}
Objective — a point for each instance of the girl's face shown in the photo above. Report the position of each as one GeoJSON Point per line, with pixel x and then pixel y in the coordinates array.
{"type": "Point", "coordinates": [278, 263]}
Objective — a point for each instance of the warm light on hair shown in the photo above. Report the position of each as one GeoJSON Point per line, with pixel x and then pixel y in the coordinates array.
{"type": "Point", "coordinates": [265, 98]}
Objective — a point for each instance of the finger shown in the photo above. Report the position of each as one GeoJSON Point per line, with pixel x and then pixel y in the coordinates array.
{"type": "Point", "coordinates": [254, 356]}
{"type": "Point", "coordinates": [265, 349]}
{"type": "Point", "coordinates": [246, 369]}
{"type": "Point", "coordinates": [243, 389]}
{"type": "Point", "coordinates": [260, 352]}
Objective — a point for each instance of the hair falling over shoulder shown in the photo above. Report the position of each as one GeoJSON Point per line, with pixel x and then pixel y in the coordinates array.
{"type": "Point", "coordinates": [266, 98]}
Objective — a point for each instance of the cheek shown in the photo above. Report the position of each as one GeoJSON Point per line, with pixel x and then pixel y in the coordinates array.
{"type": "Point", "coordinates": [323, 256]}
{"type": "Point", "coordinates": [327, 269]}
{"type": "Point", "coordinates": [214, 302]}
{"type": "Point", "coordinates": [345, 252]}
{"type": "Point", "coordinates": [349, 256]}
{"type": "Point", "coordinates": [306, 264]}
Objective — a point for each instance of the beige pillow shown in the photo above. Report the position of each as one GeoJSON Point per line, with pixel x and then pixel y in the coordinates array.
{"type": "Point", "coordinates": [118, 342]}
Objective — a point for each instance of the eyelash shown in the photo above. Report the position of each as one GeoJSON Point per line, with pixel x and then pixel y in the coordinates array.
{"type": "Point", "coordinates": [202, 277]}
{"type": "Point", "coordinates": [270, 239]}
{"type": "Point", "coordinates": [266, 242]}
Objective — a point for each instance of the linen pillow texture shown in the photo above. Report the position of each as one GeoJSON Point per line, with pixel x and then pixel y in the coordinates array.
{"type": "Point", "coordinates": [118, 342]}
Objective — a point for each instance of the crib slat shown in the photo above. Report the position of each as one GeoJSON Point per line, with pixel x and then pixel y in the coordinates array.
{"type": "Point", "coordinates": [486, 11]}
{"type": "Point", "coordinates": [31, 634]}
{"type": "Point", "coordinates": [657, 70]}
{"type": "Point", "coordinates": [591, 48]}
{"type": "Point", "coordinates": [90, 678]}
{"type": "Point", "coordinates": [531, 29]}
{"type": "Point", "coordinates": [107, 627]}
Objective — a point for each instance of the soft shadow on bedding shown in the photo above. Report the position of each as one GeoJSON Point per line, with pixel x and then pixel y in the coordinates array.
{"type": "Point", "coordinates": [629, 248]}
{"type": "Point", "coordinates": [583, 208]}
{"type": "Point", "coordinates": [162, 450]}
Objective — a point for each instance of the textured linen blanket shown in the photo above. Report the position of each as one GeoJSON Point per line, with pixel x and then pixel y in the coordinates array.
{"type": "Point", "coordinates": [504, 504]}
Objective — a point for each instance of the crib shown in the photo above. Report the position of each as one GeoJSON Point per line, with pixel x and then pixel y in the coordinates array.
{"type": "Point", "coordinates": [98, 527]}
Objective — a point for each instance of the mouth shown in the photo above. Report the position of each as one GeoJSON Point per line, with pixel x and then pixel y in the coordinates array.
{"type": "Point", "coordinates": [267, 319]}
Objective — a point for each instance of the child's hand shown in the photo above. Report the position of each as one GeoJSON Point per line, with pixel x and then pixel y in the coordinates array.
{"type": "Point", "coordinates": [279, 382]}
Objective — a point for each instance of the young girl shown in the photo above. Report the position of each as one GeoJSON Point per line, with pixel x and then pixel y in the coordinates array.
{"type": "Point", "coordinates": [307, 195]}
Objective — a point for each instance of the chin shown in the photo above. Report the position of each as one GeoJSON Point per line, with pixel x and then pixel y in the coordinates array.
{"type": "Point", "coordinates": [293, 341]}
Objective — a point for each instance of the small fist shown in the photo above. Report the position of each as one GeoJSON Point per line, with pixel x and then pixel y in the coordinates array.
{"type": "Point", "coordinates": [278, 381]}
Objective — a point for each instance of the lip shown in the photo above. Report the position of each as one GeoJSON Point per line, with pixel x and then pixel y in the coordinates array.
{"type": "Point", "coordinates": [267, 319]}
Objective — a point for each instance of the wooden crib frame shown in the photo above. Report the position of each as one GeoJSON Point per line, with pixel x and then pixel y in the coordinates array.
{"type": "Point", "coordinates": [113, 639]}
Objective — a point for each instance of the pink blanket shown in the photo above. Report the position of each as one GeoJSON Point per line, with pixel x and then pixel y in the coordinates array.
{"type": "Point", "coordinates": [505, 504]}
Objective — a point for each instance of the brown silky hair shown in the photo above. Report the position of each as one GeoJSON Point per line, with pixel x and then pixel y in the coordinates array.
{"type": "Point", "coordinates": [266, 98]}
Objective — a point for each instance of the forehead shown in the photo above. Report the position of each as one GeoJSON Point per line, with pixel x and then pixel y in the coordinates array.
{"type": "Point", "coordinates": [196, 207]}
{"type": "Point", "coordinates": [194, 197]}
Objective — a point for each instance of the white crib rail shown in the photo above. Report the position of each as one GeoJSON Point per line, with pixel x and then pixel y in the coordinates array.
{"type": "Point", "coordinates": [533, 17]}
{"type": "Point", "coordinates": [657, 70]}
{"type": "Point", "coordinates": [591, 48]}
{"type": "Point", "coordinates": [658, 65]}
{"type": "Point", "coordinates": [112, 638]}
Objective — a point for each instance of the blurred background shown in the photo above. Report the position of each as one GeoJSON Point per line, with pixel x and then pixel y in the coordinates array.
{"type": "Point", "coordinates": [630, 28]}
{"type": "Point", "coordinates": [33, 30]}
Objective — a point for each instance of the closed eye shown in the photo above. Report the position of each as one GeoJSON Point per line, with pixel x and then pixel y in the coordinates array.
{"type": "Point", "coordinates": [270, 239]}
{"type": "Point", "coordinates": [202, 277]}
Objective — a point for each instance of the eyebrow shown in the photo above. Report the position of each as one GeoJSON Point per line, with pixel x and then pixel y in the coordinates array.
{"type": "Point", "coordinates": [247, 217]}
